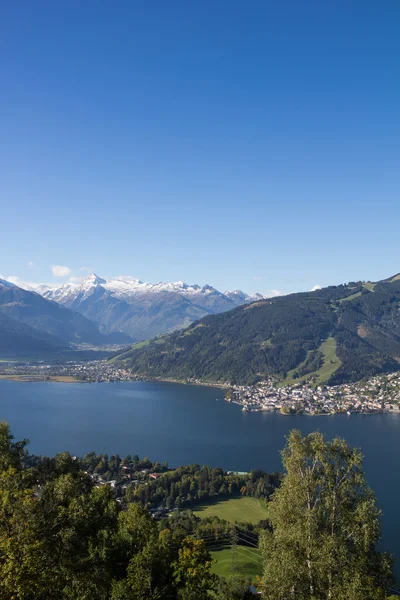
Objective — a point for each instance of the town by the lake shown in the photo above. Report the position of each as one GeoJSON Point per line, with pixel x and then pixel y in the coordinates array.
{"type": "Point", "coordinates": [377, 394]}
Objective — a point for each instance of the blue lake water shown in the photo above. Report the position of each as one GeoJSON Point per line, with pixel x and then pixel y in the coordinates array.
{"type": "Point", "coordinates": [185, 424]}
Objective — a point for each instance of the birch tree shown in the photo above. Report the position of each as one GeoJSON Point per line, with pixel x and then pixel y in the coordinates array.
{"type": "Point", "coordinates": [325, 527]}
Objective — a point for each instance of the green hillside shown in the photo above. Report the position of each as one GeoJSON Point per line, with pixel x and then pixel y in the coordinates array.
{"type": "Point", "coordinates": [337, 334]}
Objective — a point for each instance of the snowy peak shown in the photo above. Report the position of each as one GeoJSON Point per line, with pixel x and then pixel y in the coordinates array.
{"type": "Point", "coordinates": [127, 288]}
{"type": "Point", "coordinates": [237, 294]}
{"type": "Point", "coordinates": [141, 309]}
{"type": "Point", "coordinates": [240, 297]}
{"type": "Point", "coordinates": [92, 279]}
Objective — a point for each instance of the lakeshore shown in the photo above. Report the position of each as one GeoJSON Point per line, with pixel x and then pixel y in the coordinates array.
{"type": "Point", "coordinates": [183, 424]}
{"type": "Point", "coordinates": [378, 394]}
{"type": "Point", "coordinates": [33, 379]}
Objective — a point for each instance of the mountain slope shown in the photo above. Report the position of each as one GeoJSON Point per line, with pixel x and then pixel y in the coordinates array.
{"type": "Point", "coordinates": [336, 334]}
{"type": "Point", "coordinates": [17, 338]}
{"type": "Point", "coordinates": [28, 319]}
{"type": "Point", "coordinates": [143, 310]}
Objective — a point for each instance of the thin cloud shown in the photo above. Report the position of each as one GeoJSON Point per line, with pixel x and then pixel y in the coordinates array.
{"type": "Point", "coordinates": [60, 271]}
{"type": "Point", "coordinates": [25, 285]}
{"type": "Point", "coordinates": [31, 264]}
{"type": "Point", "coordinates": [257, 278]}
{"type": "Point", "coordinates": [16, 281]}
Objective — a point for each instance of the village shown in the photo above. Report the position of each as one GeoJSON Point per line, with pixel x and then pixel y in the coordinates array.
{"type": "Point", "coordinates": [376, 395]}
{"type": "Point", "coordinates": [97, 371]}
{"type": "Point", "coordinates": [128, 478]}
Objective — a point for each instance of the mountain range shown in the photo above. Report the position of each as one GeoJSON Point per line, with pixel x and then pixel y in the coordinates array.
{"type": "Point", "coordinates": [31, 324]}
{"type": "Point", "coordinates": [142, 310]}
{"type": "Point", "coordinates": [331, 335]}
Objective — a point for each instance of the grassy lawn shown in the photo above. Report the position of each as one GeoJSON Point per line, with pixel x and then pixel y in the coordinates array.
{"type": "Point", "coordinates": [244, 509]}
{"type": "Point", "coordinates": [248, 562]}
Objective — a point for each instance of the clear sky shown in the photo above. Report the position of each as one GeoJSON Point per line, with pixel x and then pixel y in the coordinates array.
{"type": "Point", "coordinates": [251, 145]}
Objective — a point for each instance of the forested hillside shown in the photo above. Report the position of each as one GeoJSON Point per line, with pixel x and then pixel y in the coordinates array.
{"type": "Point", "coordinates": [337, 334]}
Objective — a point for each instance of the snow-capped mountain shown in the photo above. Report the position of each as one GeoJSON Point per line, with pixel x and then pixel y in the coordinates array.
{"type": "Point", "coordinates": [143, 310]}
{"type": "Point", "coordinates": [32, 323]}
{"type": "Point", "coordinates": [240, 297]}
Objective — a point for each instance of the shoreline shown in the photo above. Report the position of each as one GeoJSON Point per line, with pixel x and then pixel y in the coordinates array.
{"type": "Point", "coordinates": [72, 379]}
{"type": "Point", "coordinates": [183, 382]}
{"type": "Point", "coordinates": [51, 378]}
{"type": "Point", "coordinates": [173, 380]}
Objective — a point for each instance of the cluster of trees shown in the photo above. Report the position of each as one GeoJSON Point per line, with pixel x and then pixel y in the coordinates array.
{"type": "Point", "coordinates": [193, 483]}
{"type": "Point", "coordinates": [112, 467]}
{"type": "Point", "coordinates": [274, 336]}
{"type": "Point", "coordinates": [134, 482]}
{"type": "Point", "coordinates": [63, 538]}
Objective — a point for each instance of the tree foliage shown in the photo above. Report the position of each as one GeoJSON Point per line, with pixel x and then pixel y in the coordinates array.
{"type": "Point", "coordinates": [325, 527]}
{"type": "Point", "coordinates": [63, 538]}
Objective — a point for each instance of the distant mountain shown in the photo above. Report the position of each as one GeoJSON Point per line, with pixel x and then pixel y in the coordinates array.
{"type": "Point", "coordinates": [142, 310]}
{"type": "Point", "coordinates": [336, 334]}
{"type": "Point", "coordinates": [17, 338]}
{"type": "Point", "coordinates": [29, 322]}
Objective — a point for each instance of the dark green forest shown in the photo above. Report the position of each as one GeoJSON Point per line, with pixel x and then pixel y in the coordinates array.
{"type": "Point", "coordinates": [64, 535]}
{"type": "Point", "coordinates": [275, 336]}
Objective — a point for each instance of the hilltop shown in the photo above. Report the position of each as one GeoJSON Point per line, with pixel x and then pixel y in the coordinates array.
{"type": "Point", "coordinates": [333, 335]}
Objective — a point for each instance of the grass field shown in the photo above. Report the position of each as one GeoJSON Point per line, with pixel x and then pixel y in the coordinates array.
{"type": "Point", "coordinates": [244, 509]}
{"type": "Point", "coordinates": [330, 365]}
{"type": "Point", "coordinates": [331, 361]}
{"type": "Point", "coordinates": [248, 562]}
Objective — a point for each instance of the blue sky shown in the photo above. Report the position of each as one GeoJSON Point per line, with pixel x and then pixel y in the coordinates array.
{"type": "Point", "coordinates": [246, 145]}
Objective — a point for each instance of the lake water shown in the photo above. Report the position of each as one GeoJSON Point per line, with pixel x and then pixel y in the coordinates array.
{"type": "Point", "coordinates": [185, 424]}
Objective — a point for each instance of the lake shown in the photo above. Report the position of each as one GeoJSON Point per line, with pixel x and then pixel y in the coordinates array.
{"type": "Point", "coordinates": [186, 424]}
